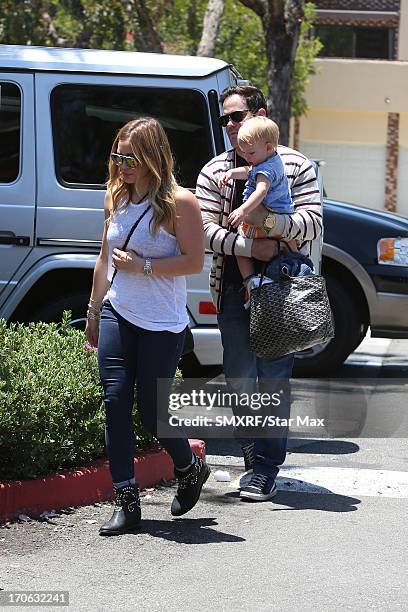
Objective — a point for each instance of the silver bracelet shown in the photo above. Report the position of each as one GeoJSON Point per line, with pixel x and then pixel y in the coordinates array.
{"type": "Point", "coordinates": [93, 309]}
{"type": "Point", "coordinates": [90, 315]}
{"type": "Point", "coordinates": [147, 268]}
{"type": "Point", "coordinates": [94, 301]}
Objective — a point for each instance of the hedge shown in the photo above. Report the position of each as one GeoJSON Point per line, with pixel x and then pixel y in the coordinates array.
{"type": "Point", "coordinates": [51, 408]}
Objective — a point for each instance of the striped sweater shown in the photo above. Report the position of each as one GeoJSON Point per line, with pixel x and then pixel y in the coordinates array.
{"type": "Point", "coordinates": [304, 225]}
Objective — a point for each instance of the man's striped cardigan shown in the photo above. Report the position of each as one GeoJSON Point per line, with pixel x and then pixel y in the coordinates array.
{"type": "Point", "coordinates": [304, 225]}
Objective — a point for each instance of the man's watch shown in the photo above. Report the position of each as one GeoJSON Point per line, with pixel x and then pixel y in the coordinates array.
{"type": "Point", "coordinates": [269, 222]}
{"type": "Point", "coordinates": [147, 268]}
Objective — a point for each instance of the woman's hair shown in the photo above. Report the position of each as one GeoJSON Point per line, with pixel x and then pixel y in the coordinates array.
{"type": "Point", "coordinates": [151, 148]}
{"type": "Point", "coordinates": [259, 129]}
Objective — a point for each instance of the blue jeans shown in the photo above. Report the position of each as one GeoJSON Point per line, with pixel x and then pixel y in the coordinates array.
{"type": "Point", "coordinates": [243, 369]}
{"type": "Point", "coordinates": [295, 264]}
{"type": "Point", "coordinates": [127, 354]}
{"type": "Point", "coordinates": [245, 372]}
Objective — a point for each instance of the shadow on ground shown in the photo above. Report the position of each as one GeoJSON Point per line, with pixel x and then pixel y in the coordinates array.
{"type": "Point", "coordinates": [323, 500]}
{"type": "Point", "coordinates": [231, 448]}
{"type": "Point", "coordinates": [187, 531]}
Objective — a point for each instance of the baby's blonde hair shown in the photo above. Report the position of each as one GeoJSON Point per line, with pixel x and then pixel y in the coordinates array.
{"type": "Point", "coordinates": [259, 129]}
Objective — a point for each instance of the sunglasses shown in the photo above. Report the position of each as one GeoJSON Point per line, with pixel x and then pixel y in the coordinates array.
{"type": "Point", "coordinates": [235, 117]}
{"type": "Point", "coordinates": [130, 161]}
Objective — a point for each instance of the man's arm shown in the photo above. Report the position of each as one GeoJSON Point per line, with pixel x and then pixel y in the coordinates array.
{"type": "Point", "coordinates": [210, 197]}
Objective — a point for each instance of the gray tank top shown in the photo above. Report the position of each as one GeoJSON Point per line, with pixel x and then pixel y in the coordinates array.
{"type": "Point", "coordinates": [152, 302]}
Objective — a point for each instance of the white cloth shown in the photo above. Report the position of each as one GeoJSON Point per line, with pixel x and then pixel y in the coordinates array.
{"type": "Point", "coordinates": [152, 302]}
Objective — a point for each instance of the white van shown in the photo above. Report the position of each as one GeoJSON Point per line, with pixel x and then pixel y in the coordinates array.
{"type": "Point", "coordinates": [59, 111]}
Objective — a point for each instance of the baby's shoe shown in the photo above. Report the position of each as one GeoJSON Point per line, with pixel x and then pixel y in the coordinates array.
{"type": "Point", "coordinates": [250, 283]}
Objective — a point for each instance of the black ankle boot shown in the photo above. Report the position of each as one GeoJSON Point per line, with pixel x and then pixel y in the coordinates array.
{"type": "Point", "coordinates": [189, 487]}
{"type": "Point", "coordinates": [126, 513]}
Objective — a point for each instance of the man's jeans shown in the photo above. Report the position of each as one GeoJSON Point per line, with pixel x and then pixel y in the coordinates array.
{"type": "Point", "coordinates": [242, 368]}
{"type": "Point", "coordinates": [247, 373]}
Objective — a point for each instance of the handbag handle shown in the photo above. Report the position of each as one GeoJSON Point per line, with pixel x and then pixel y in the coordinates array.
{"type": "Point", "coordinates": [277, 256]}
{"type": "Point", "coordinates": [132, 229]}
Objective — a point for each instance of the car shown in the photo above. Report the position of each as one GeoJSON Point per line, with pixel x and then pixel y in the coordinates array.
{"type": "Point", "coordinates": [59, 111]}
{"type": "Point", "coordinates": [365, 264]}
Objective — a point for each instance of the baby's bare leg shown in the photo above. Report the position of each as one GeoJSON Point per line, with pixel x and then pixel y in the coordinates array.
{"type": "Point", "coordinates": [246, 266]}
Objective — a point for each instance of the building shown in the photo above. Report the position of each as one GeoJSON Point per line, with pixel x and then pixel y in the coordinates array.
{"type": "Point", "coordinates": [358, 102]}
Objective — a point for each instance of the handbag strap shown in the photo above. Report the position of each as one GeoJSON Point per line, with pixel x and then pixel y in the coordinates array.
{"type": "Point", "coordinates": [132, 229]}
{"type": "Point", "coordinates": [279, 257]}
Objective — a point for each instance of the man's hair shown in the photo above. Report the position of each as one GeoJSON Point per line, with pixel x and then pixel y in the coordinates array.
{"type": "Point", "coordinates": [253, 96]}
{"type": "Point", "coordinates": [259, 129]}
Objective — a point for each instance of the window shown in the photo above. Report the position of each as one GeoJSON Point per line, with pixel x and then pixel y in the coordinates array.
{"type": "Point", "coordinates": [349, 41]}
{"type": "Point", "coordinates": [87, 118]}
{"type": "Point", "coordinates": [10, 118]}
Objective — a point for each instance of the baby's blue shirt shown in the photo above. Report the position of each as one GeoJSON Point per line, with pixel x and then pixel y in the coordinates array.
{"type": "Point", "coordinates": [278, 198]}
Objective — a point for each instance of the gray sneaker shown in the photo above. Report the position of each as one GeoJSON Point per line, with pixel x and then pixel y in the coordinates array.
{"type": "Point", "coordinates": [259, 488]}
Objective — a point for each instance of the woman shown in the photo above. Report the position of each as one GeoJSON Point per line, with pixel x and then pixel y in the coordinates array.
{"type": "Point", "coordinates": [152, 238]}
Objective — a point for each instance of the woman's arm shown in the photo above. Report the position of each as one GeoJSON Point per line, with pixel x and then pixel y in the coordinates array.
{"type": "Point", "coordinates": [188, 229]}
{"type": "Point", "coordinates": [100, 284]}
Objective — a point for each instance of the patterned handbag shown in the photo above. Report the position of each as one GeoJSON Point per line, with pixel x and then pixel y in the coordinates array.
{"type": "Point", "coordinates": [289, 314]}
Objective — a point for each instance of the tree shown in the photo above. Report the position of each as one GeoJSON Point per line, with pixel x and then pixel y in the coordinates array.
{"type": "Point", "coordinates": [65, 23]}
{"type": "Point", "coordinates": [211, 26]}
{"type": "Point", "coordinates": [281, 21]}
{"type": "Point", "coordinates": [241, 42]}
{"type": "Point", "coordinates": [260, 37]}
{"type": "Point", "coordinates": [117, 24]}
{"type": "Point", "coordinates": [144, 33]}
{"type": "Point", "coordinates": [307, 50]}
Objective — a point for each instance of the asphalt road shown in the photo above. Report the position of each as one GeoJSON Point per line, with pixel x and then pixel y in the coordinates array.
{"type": "Point", "coordinates": [333, 538]}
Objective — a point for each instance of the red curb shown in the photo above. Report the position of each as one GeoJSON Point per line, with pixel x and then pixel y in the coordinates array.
{"type": "Point", "coordinates": [81, 486]}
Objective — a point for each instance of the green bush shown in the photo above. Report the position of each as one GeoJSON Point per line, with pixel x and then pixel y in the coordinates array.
{"type": "Point", "coordinates": [51, 408]}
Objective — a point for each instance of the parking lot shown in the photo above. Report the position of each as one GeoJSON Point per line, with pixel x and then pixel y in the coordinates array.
{"type": "Point", "coordinates": [334, 536]}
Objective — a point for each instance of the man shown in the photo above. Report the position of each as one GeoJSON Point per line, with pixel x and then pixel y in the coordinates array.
{"type": "Point", "coordinates": [242, 367]}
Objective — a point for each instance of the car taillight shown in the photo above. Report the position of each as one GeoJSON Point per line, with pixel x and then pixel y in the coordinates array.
{"type": "Point", "coordinates": [207, 308]}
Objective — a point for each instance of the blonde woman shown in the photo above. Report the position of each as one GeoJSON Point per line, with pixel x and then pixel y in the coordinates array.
{"type": "Point", "coordinates": [153, 237]}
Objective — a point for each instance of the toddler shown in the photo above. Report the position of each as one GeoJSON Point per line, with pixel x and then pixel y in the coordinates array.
{"type": "Point", "coordinates": [267, 183]}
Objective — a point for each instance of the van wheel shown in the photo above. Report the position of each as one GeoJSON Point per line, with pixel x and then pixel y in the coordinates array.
{"type": "Point", "coordinates": [52, 311]}
{"type": "Point", "coordinates": [349, 332]}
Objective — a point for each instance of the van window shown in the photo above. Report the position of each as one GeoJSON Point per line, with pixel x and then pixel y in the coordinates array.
{"type": "Point", "coordinates": [86, 119]}
{"type": "Point", "coordinates": [10, 117]}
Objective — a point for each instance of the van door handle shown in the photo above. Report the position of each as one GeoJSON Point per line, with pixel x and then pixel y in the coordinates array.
{"type": "Point", "coordinates": [15, 240]}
